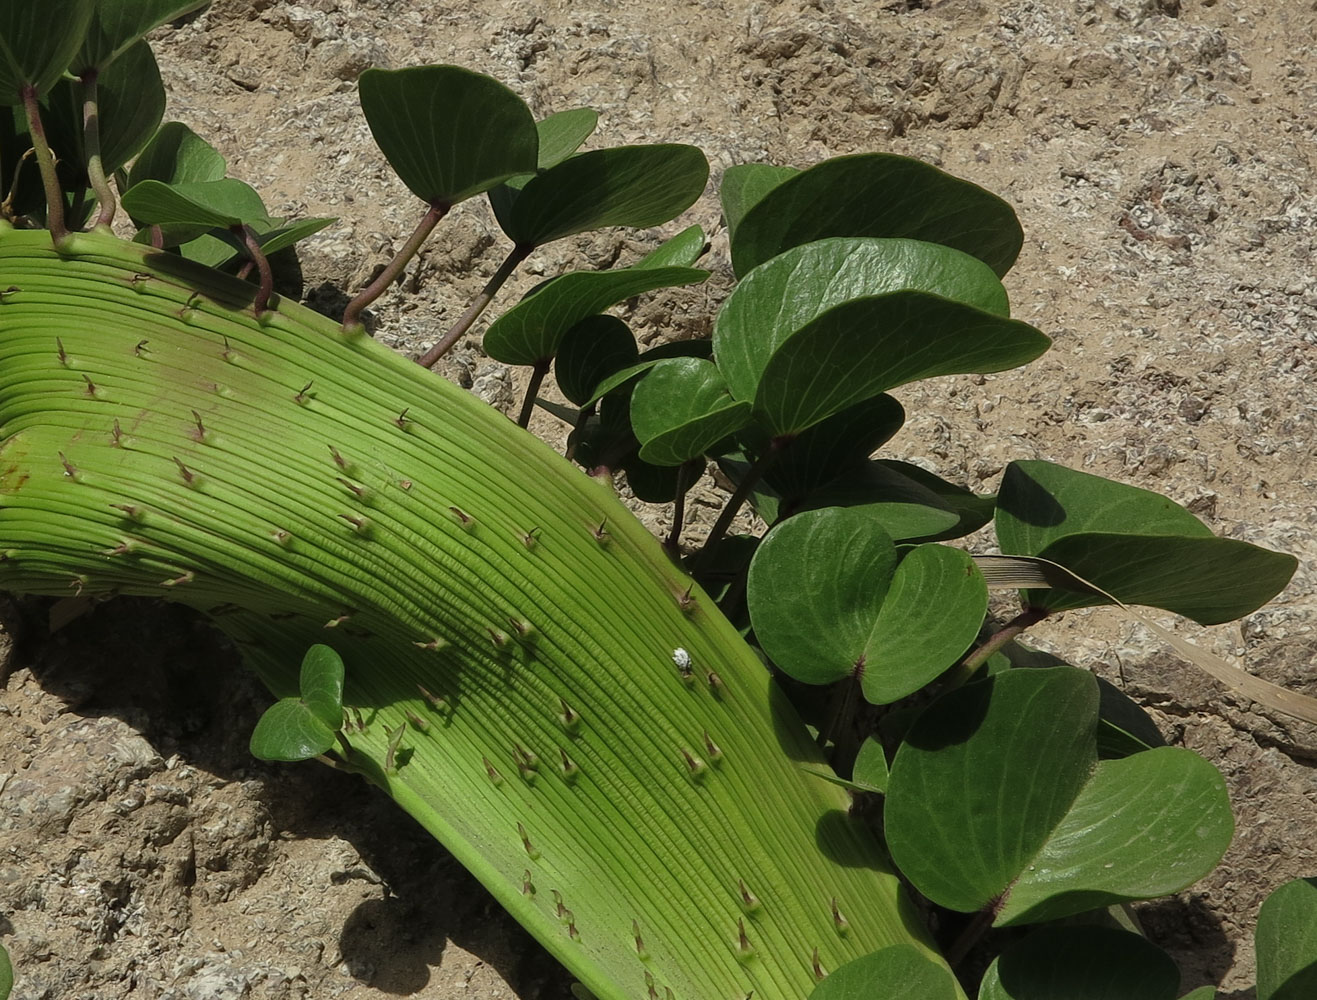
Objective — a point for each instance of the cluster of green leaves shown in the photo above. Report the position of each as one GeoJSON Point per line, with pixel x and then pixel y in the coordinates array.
{"type": "Point", "coordinates": [1011, 786]}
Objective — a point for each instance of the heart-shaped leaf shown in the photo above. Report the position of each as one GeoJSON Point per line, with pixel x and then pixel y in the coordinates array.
{"type": "Point", "coordinates": [681, 408]}
{"type": "Point", "coordinates": [177, 155]}
{"type": "Point", "coordinates": [877, 194]}
{"type": "Point", "coordinates": [901, 970]}
{"type": "Point", "coordinates": [997, 797]}
{"type": "Point", "coordinates": [531, 331]}
{"type": "Point", "coordinates": [827, 325]}
{"type": "Point", "coordinates": [743, 186]}
{"type": "Point", "coordinates": [208, 204]}
{"type": "Point", "coordinates": [828, 600]}
{"type": "Point", "coordinates": [637, 186]}
{"type": "Point", "coordinates": [299, 728]}
{"type": "Point", "coordinates": [1139, 546]}
{"type": "Point", "coordinates": [592, 350]}
{"type": "Point", "coordinates": [118, 24]}
{"type": "Point", "coordinates": [1081, 963]}
{"type": "Point", "coordinates": [38, 42]}
{"type": "Point", "coordinates": [1286, 942]}
{"type": "Point", "coordinates": [625, 378]}
{"type": "Point", "coordinates": [130, 100]}
{"type": "Point", "coordinates": [449, 133]}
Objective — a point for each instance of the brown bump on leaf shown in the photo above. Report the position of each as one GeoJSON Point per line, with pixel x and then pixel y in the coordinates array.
{"type": "Point", "coordinates": [749, 901]}
{"type": "Point", "coordinates": [140, 348]}
{"type": "Point", "coordinates": [188, 475]}
{"type": "Point", "coordinates": [743, 946]}
{"type": "Point", "coordinates": [601, 532]}
{"type": "Point", "coordinates": [530, 538]}
{"type": "Point", "coordinates": [125, 547]}
{"type": "Point", "coordinates": [527, 762]}
{"type": "Point", "coordinates": [557, 903]}
{"type": "Point", "coordinates": [527, 886]}
{"type": "Point", "coordinates": [336, 622]}
{"type": "Point", "coordinates": [227, 353]}
{"type": "Point", "coordinates": [694, 766]}
{"type": "Point", "coordinates": [187, 576]}
{"type": "Point", "coordinates": [416, 721]}
{"type": "Point", "coordinates": [199, 433]}
{"type": "Point", "coordinates": [402, 420]}
{"type": "Point", "coordinates": [129, 510]}
{"type": "Point", "coordinates": [819, 972]}
{"type": "Point", "coordinates": [432, 645]}
{"type": "Point", "coordinates": [281, 537]}
{"type": "Point", "coordinates": [406, 484]}
{"type": "Point", "coordinates": [359, 523]}
{"type": "Point", "coordinates": [572, 932]}
{"type": "Point", "coordinates": [492, 772]}
{"type": "Point", "coordinates": [499, 638]}
{"type": "Point", "coordinates": [77, 583]}
{"type": "Point", "coordinates": [339, 460]}
{"type": "Point", "coordinates": [640, 941]}
{"type": "Point", "coordinates": [531, 852]}
{"type": "Point", "coordinates": [433, 699]}
{"type": "Point", "coordinates": [90, 389]}
{"type": "Point", "coordinates": [715, 683]}
{"type": "Point", "coordinates": [358, 491]}
{"type": "Point", "coordinates": [687, 601]}
{"type": "Point", "coordinates": [838, 920]}
{"type": "Point", "coordinates": [302, 396]}
{"type": "Point", "coordinates": [567, 715]}
{"type": "Point", "coordinates": [391, 753]}
{"type": "Point", "coordinates": [59, 346]}
{"type": "Point", "coordinates": [463, 518]}
{"type": "Point", "coordinates": [569, 767]}
{"type": "Point", "coordinates": [70, 469]}
{"type": "Point", "coordinates": [116, 435]}
{"type": "Point", "coordinates": [714, 751]}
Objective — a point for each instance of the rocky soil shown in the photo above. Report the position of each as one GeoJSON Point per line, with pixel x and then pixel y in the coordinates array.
{"type": "Point", "coordinates": [1160, 154]}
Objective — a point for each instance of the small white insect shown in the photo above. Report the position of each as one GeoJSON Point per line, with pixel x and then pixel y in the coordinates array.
{"type": "Point", "coordinates": [682, 659]}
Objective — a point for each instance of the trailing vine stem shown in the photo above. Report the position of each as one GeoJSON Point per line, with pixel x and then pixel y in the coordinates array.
{"type": "Point", "coordinates": [973, 931]}
{"type": "Point", "coordinates": [967, 667]}
{"type": "Point", "coordinates": [510, 263]}
{"type": "Point", "coordinates": [91, 138]}
{"type": "Point", "coordinates": [257, 255]}
{"type": "Point", "coordinates": [687, 473]}
{"type": "Point", "coordinates": [537, 374]}
{"type": "Point", "coordinates": [7, 207]}
{"type": "Point", "coordinates": [46, 161]}
{"type": "Point", "coordinates": [394, 268]}
{"type": "Point", "coordinates": [733, 507]}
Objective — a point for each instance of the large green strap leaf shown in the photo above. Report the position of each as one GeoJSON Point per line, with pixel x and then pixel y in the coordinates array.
{"type": "Point", "coordinates": [681, 408]}
{"type": "Point", "coordinates": [1081, 963]}
{"type": "Point", "coordinates": [636, 186]}
{"type": "Point", "coordinates": [877, 194]}
{"type": "Point", "coordinates": [997, 798]}
{"type": "Point", "coordinates": [1138, 546]}
{"type": "Point", "coordinates": [531, 330]}
{"type": "Point", "coordinates": [130, 103]}
{"type": "Point", "coordinates": [37, 42]}
{"type": "Point", "coordinates": [222, 203]}
{"type": "Point", "coordinates": [828, 600]}
{"type": "Point", "coordinates": [827, 325]}
{"type": "Point", "coordinates": [177, 155]}
{"type": "Point", "coordinates": [1286, 942]}
{"type": "Point", "coordinates": [449, 133]}
{"type": "Point", "coordinates": [897, 971]}
{"type": "Point", "coordinates": [118, 24]}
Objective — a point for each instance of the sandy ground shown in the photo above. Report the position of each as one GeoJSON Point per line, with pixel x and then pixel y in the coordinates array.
{"type": "Point", "coordinates": [1160, 156]}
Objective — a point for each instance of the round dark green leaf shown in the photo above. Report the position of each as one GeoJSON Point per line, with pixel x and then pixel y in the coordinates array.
{"type": "Point", "coordinates": [839, 444]}
{"type": "Point", "coordinates": [118, 24]}
{"type": "Point", "coordinates": [814, 588]}
{"type": "Point", "coordinates": [290, 731]}
{"type": "Point", "coordinates": [531, 330]}
{"type": "Point", "coordinates": [221, 203]}
{"type": "Point", "coordinates": [681, 408]}
{"type": "Point", "coordinates": [448, 132]}
{"type": "Point", "coordinates": [561, 134]}
{"type": "Point", "coordinates": [827, 325]}
{"type": "Point", "coordinates": [637, 186]}
{"type": "Point", "coordinates": [1081, 963]}
{"type": "Point", "coordinates": [743, 186]}
{"type": "Point", "coordinates": [1138, 546]}
{"type": "Point", "coordinates": [899, 971]}
{"type": "Point", "coordinates": [38, 41]}
{"type": "Point", "coordinates": [321, 684]}
{"type": "Point", "coordinates": [592, 350]}
{"type": "Point", "coordinates": [177, 155]}
{"type": "Point", "coordinates": [997, 797]}
{"type": "Point", "coordinates": [877, 194]}
{"type": "Point", "coordinates": [1286, 942]}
